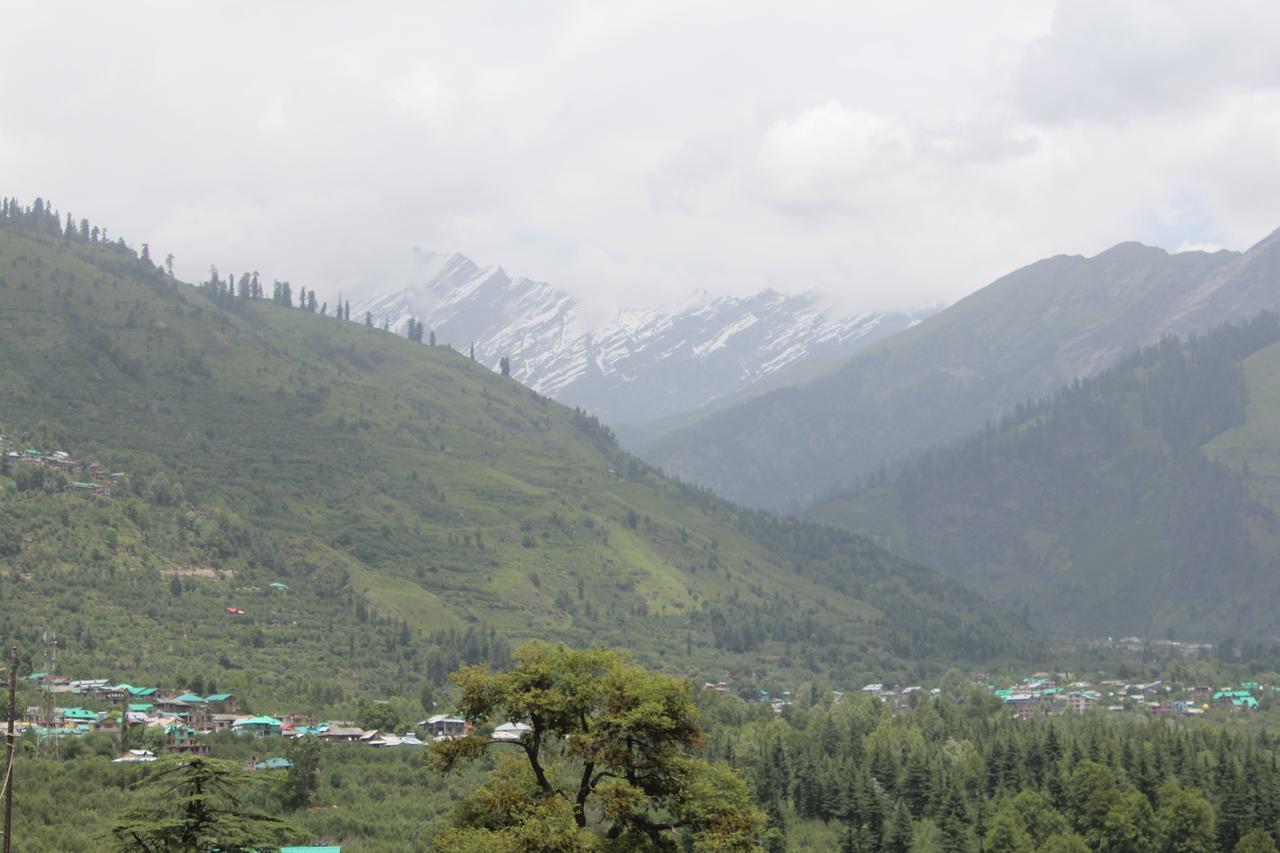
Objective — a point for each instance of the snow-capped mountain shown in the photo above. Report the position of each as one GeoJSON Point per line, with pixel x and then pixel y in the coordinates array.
{"type": "Point", "coordinates": [641, 366]}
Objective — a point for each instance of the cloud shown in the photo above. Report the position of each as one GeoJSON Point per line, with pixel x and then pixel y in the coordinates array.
{"type": "Point", "coordinates": [1121, 62]}
{"type": "Point", "coordinates": [888, 155]}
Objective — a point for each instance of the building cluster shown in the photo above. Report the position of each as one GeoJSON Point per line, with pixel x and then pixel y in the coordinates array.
{"type": "Point", "coordinates": [1042, 695]}
{"type": "Point", "coordinates": [90, 478]}
{"type": "Point", "coordinates": [186, 719]}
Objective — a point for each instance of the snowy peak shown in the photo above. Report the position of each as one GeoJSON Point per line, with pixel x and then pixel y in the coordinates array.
{"type": "Point", "coordinates": [645, 364]}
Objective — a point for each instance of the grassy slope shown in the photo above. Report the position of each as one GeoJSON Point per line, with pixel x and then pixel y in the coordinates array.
{"type": "Point", "coordinates": [356, 465]}
{"type": "Point", "coordinates": [1101, 510]}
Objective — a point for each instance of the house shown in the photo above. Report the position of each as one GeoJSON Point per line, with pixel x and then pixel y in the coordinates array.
{"type": "Point", "coordinates": [135, 755]}
{"type": "Point", "coordinates": [222, 722]}
{"type": "Point", "coordinates": [396, 740]}
{"type": "Point", "coordinates": [78, 715]}
{"type": "Point", "coordinates": [1081, 701]}
{"type": "Point", "coordinates": [185, 740]}
{"type": "Point", "coordinates": [258, 726]}
{"type": "Point", "coordinates": [173, 705]}
{"type": "Point", "coordinates": [110, 724]}
{"type": "Point", "coordinates": [89, 685]}
{"type": "Point", "coordinates": [511, 731]}
{"type": "Point", "coordinates": [340, 734]}
{"type": "Point", "coordinates": [444, 726]}
{"type": "Point", "coordinates": [222, 702]}
{"type": "Point", "coordinates": [279, 587]}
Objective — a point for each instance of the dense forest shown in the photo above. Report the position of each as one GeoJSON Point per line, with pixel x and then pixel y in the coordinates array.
{"type": "Point", "coordinates": [1105, 508]}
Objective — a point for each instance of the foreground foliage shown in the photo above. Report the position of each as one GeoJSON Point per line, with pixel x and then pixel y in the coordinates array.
{"type": "Point", "coordinates": [607, 761]}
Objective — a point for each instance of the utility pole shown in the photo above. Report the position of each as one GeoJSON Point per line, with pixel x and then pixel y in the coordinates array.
{"type": "Point", "coordinates": [8, 752]}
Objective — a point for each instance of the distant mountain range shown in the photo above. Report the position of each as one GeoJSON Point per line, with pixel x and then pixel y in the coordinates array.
{"type": "Point", "coordinates": [1022, 337]}
{"type": "Point", "coordinates": [643, 365]}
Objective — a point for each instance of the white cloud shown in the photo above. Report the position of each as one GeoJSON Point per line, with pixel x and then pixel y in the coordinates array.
{"type": "Point", "coordinates": [887, 154]}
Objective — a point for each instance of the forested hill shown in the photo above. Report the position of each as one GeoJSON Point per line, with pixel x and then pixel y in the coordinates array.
{"type": "Point", "coordinates": [1021, 337]}
{"type": "Point", "coordinates": [1141, 501]}
{"type": "Point", "coordinates": [421, 509]}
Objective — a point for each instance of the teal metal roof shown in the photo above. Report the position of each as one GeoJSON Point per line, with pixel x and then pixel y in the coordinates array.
{"type": "Point", "coordinates": [273, 764]}
{"type": "Point", "coordinates": [78, 714]}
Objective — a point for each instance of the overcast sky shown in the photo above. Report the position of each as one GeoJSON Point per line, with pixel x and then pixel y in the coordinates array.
{"type": "Point", "coordinates": [888, 154]}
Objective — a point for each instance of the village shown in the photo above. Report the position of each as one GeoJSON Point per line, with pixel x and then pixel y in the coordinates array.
{"type": "Point", "coordinates": [185, 719]}
{"type": "Point", "coordinates": [1042, 695]}
{"type": "Point", "coordinates": [95, 478]}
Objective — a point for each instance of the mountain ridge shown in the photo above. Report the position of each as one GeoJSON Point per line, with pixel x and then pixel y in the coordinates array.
{"type": "Point", "coordinates": [1020, 337]}
{"type": "Point", "coordinates": [640, 366]}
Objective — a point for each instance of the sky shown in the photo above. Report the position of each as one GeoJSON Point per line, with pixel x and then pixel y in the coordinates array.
{"type": "Point", "coordinates": [885, 155]}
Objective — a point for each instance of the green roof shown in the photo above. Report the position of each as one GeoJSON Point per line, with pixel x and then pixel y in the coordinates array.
{"type": "Point", "coordinates": [136, 691]}
{"type": "Point", "coordinates": [260, 721]}
{"type": "Point", "coordinates": [189, 698]}
{"type": "Point", "coordinates": [78, 714]}
{"type": "Point", "coordinates": [217, 697]}
{"type": "Point", "coordinates": [278, 585]}
{"type": "Point", "coordinates": [273, 764]}
{"type": "Point", "coordinates": [141, 706]}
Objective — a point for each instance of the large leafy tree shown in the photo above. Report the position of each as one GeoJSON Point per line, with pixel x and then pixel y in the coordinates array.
{"type": "Point", "coordinates": [606, 763]}
{"type": "Point", "coordinates": [198, 804]}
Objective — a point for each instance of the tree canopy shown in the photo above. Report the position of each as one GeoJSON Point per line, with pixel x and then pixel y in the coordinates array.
{"type": "Point", "coordinates": [604, 760]}
{"type": "Point", "coordinates": [196, 803]}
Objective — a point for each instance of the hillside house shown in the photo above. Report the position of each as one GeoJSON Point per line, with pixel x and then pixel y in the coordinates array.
{"type": "Point", "coordinates": [222, 722]}
{"type": "Point", "coordinates": [109, 725]}
{"type": "Point", "coordinates": [1082, 701]}
{"type": "Point", "coordinates": [442, 726]}
{"type": "Point", "coordinates": [340, 734]}
{"type": "Point", "coordinates": [511, 731]}
{"type": "Point", "coordinates": [173, 705]}
{"type": "Point", "coordinates": [76, 715]}
{"type": "Point", "coordinates": [258, 726]}
{"type": "Point", "coordinates": [223, 702]}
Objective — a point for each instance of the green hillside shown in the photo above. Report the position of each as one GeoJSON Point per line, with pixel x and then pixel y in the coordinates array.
{"type": "Point", "coordinates": [1021, 337]}
{"type": "Point", "coordinates": [421, 509]}
{"type": "Point", "coordinates": [1141, 501]}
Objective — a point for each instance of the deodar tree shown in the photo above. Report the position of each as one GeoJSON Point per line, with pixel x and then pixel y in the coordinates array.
{"type": "Point", "coordinates": [199, 804]}
{"type": "Point", "coordinates": [606, 761]}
